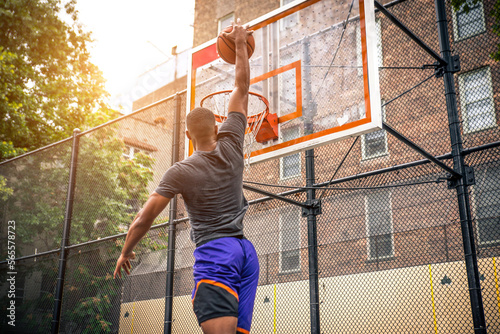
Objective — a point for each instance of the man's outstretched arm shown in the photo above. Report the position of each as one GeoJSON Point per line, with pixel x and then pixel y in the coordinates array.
{"type": "Point", "coordinates": [239, 97]}
{"type": "Point", "coordinates": [138, 229]}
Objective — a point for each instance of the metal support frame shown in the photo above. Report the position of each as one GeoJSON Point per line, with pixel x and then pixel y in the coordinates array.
{"type": "Point", "coordinates": [459, 166]}
{"type": "Point", "coordinates": [461, 175]}
{"type": "Point", "coordinates": [450, 65]}
{"type": "Point", "coordinates": [68, 215]}
{"type": "Point", "coordinates": [420, 150]}
{"type": "Point", "coordinates": [275, 196]}
{"type": "Point", "coordinates": [169, 288]}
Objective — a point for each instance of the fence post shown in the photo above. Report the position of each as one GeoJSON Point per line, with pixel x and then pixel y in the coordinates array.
{"type": "Point", "coordinates": [312, 242]}
{"type": "Point", "coordinates": [68, 215]}
{"type": "Point", "coordinates": [459, 166]}
{"type": "Point", "coordinates": [169, 290]}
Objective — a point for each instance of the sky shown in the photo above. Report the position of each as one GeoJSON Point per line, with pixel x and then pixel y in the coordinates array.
{"type": "Point", "coordinates": [132, 37]}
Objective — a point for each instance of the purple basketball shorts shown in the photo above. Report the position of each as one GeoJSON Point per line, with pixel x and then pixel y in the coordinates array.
{"type": "Point", "coordinates": [226, 274]}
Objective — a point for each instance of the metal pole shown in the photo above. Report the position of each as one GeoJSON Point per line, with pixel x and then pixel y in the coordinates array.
{"type": "Point", "coordinates": [312, 242]}
{"type": "Point", "coordinates": [68, 215]}
{"type": "Point", "coordinates": [460, 167]}
{"type": "Point", "coordinates": [313, 208]}
{"type": "Point", "coordinates": [169, 289]}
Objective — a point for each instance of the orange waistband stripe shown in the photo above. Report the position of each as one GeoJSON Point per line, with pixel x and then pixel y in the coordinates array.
{"type": "Point", "coordinates": [241, 330]}
{"type": "Point", "coordinates": [220, 285]}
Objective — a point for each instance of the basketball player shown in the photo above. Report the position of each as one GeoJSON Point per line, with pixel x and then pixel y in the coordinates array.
{"type": "Point", "coordinates": [226, 268]}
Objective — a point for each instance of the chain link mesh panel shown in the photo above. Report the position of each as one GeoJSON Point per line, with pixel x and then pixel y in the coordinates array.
{"type": "Point", "coordinates": [33, 282]}
{"type": "Point", "coordinates": [95, 302]}
{"type": "Point", "coordinates": [485, 210]}
{"type": "Point", "coordinates": [379, 241]}
{"type": "Point", "coordinates": [39, 185]}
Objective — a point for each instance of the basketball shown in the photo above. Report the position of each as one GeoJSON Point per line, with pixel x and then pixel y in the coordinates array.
{"type": "Point", "coordinates": [227, 50]}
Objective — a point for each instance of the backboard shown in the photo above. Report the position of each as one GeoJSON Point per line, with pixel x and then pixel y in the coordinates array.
{"type": "Point", "coordinates": [316, 62]}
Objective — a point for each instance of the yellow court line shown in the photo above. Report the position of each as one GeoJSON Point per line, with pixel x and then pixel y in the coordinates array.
{"type": "Point", "coordinates": [496, 284]}
{"type": "Point", "coordinates": [133, 311]}
{"type": "Point", "coordinates": [433, 304]}
{"type": "Point", "coordinates": [274, 308]}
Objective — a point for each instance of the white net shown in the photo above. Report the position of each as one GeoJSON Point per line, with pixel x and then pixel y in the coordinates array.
{"type": "Point", "coordinates": [257, 111]}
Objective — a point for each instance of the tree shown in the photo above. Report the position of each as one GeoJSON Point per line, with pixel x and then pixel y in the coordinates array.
{"type": "Point", "coordinates": [495, 13]}
{"type": "Point", "coordinates": [48, 86]}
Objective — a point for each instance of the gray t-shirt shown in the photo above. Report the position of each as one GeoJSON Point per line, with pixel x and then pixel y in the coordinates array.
{"type": "Point", "coordinates": [211, 184]}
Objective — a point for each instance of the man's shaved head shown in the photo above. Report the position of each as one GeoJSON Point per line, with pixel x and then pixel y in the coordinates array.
{"type": "Point", "coordinates": [200, 123]}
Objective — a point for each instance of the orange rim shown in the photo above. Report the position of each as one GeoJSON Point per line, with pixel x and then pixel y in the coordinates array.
{"type": "Point", "coordinates": [250, 119]}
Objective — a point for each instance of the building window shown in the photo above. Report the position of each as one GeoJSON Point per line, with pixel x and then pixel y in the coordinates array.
{"type": "Point", "coordinates": [476, 99]}
{"type": "Point", "coordinates": [225, 22]}
{"type": "Point", "coordinates": [290, 20]}
{"type": "Point", "coordinates": [359, 56]}
{"type": "Point", "coordinates": [290, 165]}
{"type": "Point", "coordinates": [379, 228]}
{"type": "Point", "coordinates": [468, 24]}
{"type": "Point", "coordinates": [131, 151]}
{"type": "Point", "coordinates": [373, 144]}
{"type": "Point", "coordinates": [289, 235]}
{"type": "Point", "coordinates": [487, 205]}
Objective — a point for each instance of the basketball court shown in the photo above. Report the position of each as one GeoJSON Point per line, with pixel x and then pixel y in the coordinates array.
{"type": "Point", "coordinates": [377, 247]}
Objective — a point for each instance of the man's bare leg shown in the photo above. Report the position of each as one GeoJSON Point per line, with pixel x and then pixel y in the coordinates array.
{"type": "Point", "coordinates": [222, 325]}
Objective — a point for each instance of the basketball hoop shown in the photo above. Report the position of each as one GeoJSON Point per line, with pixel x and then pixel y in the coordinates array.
{"type": "Point", "coordinates": [258, 118]}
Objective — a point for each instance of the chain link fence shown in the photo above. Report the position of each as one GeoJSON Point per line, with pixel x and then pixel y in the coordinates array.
{"type": "Point", "coordinates": [390, 237]}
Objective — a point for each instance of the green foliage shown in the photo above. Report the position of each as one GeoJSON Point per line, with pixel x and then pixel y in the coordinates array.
{"type": "Point", "coordinates": [463, 4]}
{"type": "Point", "coordinates": [38, 199]}
{"type": "Point", "coordinates": [90, 311]}
{"type": "Point", "coordinates": [134, 174]}
{"type": "Point", "coordinates": [108, 186]}
{"type": "Point", "coordinates": [37, 313]}
{"type": "Point", "coordinates": [48, 86]}
{"type": "Point", "coordinates": [5, 191]}
{"type": "Point", "coordinates": [495, 13]}
{"type": "Point", "coordinates": [7, 150]}
{"type": "Point", "coordinates": [34, 315]}
{"type": "Point", "coordinates": [155, 241]}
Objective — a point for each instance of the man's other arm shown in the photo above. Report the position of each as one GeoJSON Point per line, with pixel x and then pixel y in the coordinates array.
{"type": "Point", "coordinates": [138, 229]}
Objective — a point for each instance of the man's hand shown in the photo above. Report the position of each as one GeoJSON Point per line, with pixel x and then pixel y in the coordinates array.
{"type": "Point", "coordinates": [124, 261]}
{"type": "Point", "coordinates": [239, 33]}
